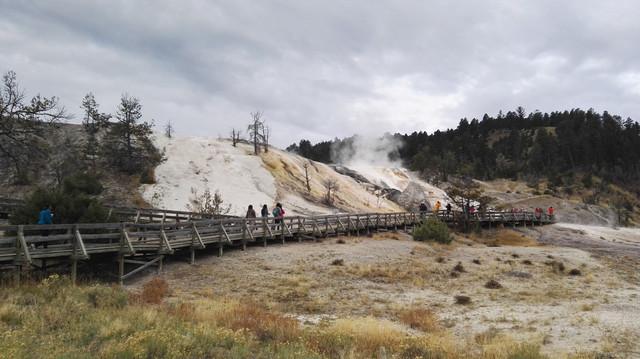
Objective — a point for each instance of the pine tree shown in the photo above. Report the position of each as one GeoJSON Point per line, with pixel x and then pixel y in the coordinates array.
{"type": "Point", "coordinates": [24, 125]}
{"type": "Point", "coordinates": [128, 145]}
{"type": "Point", "coordinates": [93, 121]}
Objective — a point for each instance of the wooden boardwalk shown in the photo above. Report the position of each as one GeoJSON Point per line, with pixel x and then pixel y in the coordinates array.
{"type": "Point", "coordinates": [137, 246]}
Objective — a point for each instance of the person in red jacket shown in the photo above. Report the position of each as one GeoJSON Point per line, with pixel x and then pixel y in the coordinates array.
{"type": "Point", "coordinates": [550, 212]}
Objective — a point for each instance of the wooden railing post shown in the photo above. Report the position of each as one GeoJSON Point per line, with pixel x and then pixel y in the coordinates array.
{"type": "Point", "coordinates": [265, 227]}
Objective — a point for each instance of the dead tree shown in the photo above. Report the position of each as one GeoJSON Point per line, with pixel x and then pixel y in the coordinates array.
{"type": "Point", "coordinates": [266, 131]}
{"type": "Point", "coordinates": [331, 185]}
{"type": "Point", "coordinates": [168, 130]}
{"type": "Point", "coordinates": [256, 131]}
{"type": "Point", "coordinates": [306, 176]}
{"type": "Point", "coordinates": [235, 137]}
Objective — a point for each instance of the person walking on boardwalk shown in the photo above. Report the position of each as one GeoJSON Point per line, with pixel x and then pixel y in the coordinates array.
{"type": "Point", "coordinates": [550, 212]}
{"type": "Point", "coordinates": [278, 214]}
{"type": "Point", "coordinates": [45, 216]}
{"type": "Point", "coordinates": [264, 213]}
{"type": "Point", "coordinates": [423, 209]}
{"type": "Point", "coordinates": [436, 208]}
{"type": "Point", "coordinates": [250, 212]}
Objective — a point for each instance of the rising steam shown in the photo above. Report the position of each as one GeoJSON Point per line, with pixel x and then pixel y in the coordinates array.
{"type": "Point", "coordinates": [359, 151]}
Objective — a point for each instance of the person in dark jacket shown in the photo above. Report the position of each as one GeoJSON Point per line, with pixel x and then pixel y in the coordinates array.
{"type": "Point", "coordinates": [250, 212]}
{"type": "Point", "coordinates": [264, 212]}
{"type": "Point", "coordinates": [448, 207]}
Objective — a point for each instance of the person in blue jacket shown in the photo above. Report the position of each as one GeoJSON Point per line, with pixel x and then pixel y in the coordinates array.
{"type": "Point", "coordinates": [46, 217]}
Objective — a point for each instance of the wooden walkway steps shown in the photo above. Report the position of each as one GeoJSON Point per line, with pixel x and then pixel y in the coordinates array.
{"type": "Point", "coordinates": [146, 244]}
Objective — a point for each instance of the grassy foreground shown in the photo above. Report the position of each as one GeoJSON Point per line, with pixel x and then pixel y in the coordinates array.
{"type": "Point", "coordinates": [54, 319]}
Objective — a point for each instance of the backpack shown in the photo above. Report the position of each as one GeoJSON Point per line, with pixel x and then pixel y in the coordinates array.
{"type": "Point", "coordinates": [276, 212]}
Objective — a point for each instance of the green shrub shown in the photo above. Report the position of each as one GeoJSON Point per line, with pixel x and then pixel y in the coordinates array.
{"type": "Point", "coordinates": [82, 183]}
{"type": "Point", "coordinates": [432, 230]}
{"type": "Point", "coordinates": [73, 202]}
{"type": "Point", "coordinates": [67, 208]}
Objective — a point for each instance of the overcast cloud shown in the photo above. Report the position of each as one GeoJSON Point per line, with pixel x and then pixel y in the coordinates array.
{"type": "Point", "coordinates": [324, 69]}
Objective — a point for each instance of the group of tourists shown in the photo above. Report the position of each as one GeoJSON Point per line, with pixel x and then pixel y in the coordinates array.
{"type": "Point", "coordinates": [277, 212]}
{"type": "Point", "coordinates": [472, 211]}
{"type": "Point", "coordinates": [539, 211]}
{"type": "Point", "coordinates": [436, 208]}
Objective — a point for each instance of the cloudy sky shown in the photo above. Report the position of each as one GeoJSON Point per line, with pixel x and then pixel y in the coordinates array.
{"type": "Point", "coordinates": [321, 69]}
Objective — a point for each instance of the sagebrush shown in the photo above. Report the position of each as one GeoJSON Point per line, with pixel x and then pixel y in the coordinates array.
{"type": "Point", "coordinates": [432, 230]}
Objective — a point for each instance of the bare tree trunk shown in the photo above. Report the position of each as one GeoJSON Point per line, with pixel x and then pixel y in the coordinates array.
{"type": "Point", "coordinates": [235, 137]}
{"type": "Point", "coordinates": [265, 134]}
{"type": "Point", "coordinates": [256, 150]}
{"type": "Point", "coordinates": [306, 176]}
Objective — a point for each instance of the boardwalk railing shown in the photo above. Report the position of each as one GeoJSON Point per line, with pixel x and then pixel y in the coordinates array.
{"type": "Point", "coordinates": [146, 244]}
{"type": "Point", "coordinates": [9, 205]}
{"type": "Point", "coordinates": [150, 215]}
{"type": "Point", "coordinates": [125, 214]}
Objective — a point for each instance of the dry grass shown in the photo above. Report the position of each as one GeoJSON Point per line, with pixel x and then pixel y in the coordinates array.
{"type": "Point", "coordinates": [154, 291]}
{"type": "Point", "coordinates": [396, 236]}
{"type": "Point", "coordinates": [587, 307]}
{"type": "Point", "coordinates": [252, 317]}
{"type": "Point", "coordinates": [98, 321]}
{"type": "Point", "coordinates": [420, 318]}
{"type": "Point", "coordinates": [412, 272]}
{"type": "Point", "coordinates": [507, 237]}
{"type": "Point", "coordinates": [358, 337]}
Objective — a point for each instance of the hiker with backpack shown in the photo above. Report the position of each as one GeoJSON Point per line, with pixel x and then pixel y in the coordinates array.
{"type": "Point", "coordinates": [278, 214]}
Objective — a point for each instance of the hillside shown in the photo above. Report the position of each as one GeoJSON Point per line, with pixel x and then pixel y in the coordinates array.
{"type": "Point", "coordinates": [584, 158]}
{"type": "Point", "coordinates": [242, 179]}
{"type": "Point", "coordinates": [64, 149]}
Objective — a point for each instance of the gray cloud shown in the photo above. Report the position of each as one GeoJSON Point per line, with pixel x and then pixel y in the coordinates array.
{"type": "Point", "coordinates": [320, 69]}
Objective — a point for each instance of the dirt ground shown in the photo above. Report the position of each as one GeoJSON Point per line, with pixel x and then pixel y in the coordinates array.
{"type": "Point", "coordinates": [538, 298]}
